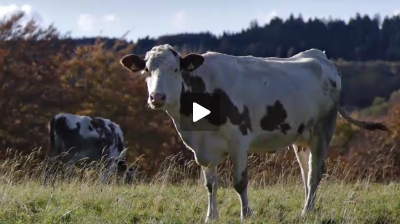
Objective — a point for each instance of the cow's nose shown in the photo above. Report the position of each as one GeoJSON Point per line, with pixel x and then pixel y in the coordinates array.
{"type": "Point", "coordinates": [157, 99]}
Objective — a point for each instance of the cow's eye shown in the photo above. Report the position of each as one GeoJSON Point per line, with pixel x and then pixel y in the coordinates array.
{"type": "Point", "coordinates": [146, 69]}
{"type": "Point", "coordinates": [176, 70]}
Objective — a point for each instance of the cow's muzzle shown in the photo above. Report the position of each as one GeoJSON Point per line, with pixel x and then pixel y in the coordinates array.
{"type": "Point", "coordinates": [157, 100]}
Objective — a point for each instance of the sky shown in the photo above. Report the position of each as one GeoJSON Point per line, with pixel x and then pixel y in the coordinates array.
{"type": "Point", "coordinates": [114, 18]}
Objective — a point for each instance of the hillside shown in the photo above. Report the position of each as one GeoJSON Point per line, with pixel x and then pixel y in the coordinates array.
{"type": "Point", "coordinates": [360, 39]}
{"type": "Point", "coordinates": [43, 72]}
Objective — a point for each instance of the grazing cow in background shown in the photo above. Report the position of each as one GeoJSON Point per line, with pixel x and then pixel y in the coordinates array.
{"type": "Point", "coordinates": [92, 138]}
{"type": "Point", "coordinates": [265, 105]}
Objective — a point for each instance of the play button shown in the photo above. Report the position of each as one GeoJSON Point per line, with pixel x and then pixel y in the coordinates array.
{"type": "Point", "coordinates": [199, 112]}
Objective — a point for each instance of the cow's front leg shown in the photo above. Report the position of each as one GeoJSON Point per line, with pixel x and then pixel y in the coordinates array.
{"type": "Point", "coordinates": [105, 176]}
{"type": "Point", "coordinates": [68, 170]}
{"type": "Point", "coordinates": [48, 169]}
{"type": "Point", "coordinates": [107, 171]}
{"type": "Point", "coordinates": [211, 183]}
{"type": "Point", "coordinates": [239, 160]}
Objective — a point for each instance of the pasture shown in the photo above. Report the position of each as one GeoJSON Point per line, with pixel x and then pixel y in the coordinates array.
{"type": "Point", "coordinates": [25, 200]}
{"type": "Point", "coordinates": [83, 76]}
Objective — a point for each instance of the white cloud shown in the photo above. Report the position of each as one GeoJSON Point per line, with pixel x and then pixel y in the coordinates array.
{"type": "Point", "coordinates": [8, 10]}
{"type": "Point", "coordinates": [396, 12]}
{"type": "Point", "coordinates": [266, 18]}
{"type": "Point", "coordinates": [262, 18]}
{"type": "Point", "coordinates": [180, 20]}
{"type": "Point", "coordinates": [85, 22]}
{"type": "Point", "coordinates": [109, 18]}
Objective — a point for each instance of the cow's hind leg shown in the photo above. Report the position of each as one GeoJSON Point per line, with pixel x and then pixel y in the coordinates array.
{"type": "Point", "coordinates": [240, 179]}
{"type": "Point", "coordinates": [68, 173]}
{"type": "Point", "coordinates": [211, 183]}
{"type": "Point", "coordinates": [49, 170]}
{"type": "Point", "coordinates": [302, 155]}
{"type": "Point", "coordinates": [110, 168]}
{"type": "Point", "coordinates": [321, 136]}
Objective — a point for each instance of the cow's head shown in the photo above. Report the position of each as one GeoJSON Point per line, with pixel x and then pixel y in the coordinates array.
{"type": "Point", "coordinates": [162, 67]}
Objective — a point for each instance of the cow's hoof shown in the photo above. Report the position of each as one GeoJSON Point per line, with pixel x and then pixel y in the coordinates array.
{"type": "Point", "coordinates": [305, 212]}
{"type": "Point", "coordinates": [211, 219]}
{"type": "Point", "coordinates": [246, 213]}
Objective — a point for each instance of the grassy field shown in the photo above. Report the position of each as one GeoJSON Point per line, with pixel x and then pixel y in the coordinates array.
{"type": "Point", "coordinates": [80, 202]}
{"type": "Point", "coordinates": [24, 199]}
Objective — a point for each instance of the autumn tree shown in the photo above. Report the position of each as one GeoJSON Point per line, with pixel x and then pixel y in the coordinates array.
{"type": "Point", "coordinates": [30, 89]}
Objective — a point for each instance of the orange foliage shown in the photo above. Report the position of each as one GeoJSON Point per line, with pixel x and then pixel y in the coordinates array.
{"type": "Point", "coordinates": [42, 74]}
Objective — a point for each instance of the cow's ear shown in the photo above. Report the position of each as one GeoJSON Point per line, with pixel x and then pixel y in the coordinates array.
{"type": "Point", "coordinates": [191, 62]}
{"type": "Point", "coordinates": [133, 62]}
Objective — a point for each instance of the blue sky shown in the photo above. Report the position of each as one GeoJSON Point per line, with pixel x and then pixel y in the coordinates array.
{"type": "Point", "coordinates": [158, 17]}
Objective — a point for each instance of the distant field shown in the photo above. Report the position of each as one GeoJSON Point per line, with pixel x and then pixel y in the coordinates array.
{"type": "Point", "coordinates": [80, 202]}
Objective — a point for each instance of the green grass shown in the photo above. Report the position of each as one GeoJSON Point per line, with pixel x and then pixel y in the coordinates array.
{"type": "Point", "coordinates": [80, 202]}
{"type": "Point", "coordinates": [276, 198]}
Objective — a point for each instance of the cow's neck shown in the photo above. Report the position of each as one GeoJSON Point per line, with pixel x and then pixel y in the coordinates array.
{"type": "Point", "coordinates": [192, 83]}
{"type": "Point", "coordinates": [180, 120]}
{"type": "Point", "coordinates": [183, 127]}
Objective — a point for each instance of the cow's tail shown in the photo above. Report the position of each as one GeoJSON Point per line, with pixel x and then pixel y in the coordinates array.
{"type": "Point", "coordinates": [54, 141]}
{"type": "Point", "coordinates": [52, 149]}
{"type": "Point", "coordinates": [371, 126]}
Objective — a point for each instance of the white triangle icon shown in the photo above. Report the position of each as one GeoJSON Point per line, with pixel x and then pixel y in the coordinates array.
{"type": "Point", "coordinates": [199, 112]}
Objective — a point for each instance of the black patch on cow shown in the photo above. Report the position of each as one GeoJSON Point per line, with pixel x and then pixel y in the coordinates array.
{"type": "Point", "coordinates": [100, 121]}
{"type": "Point", "coordinates": [275, 119]}
{"type": "Point", "coordinates": [65, 132]}
{"type": "Point", "coordinates": [107, 137]}
{"type": "Point", "coordinates": [218, 102]}
{"type": "Point", "coordinates": [303, 127]}
{"type": "Point", "coordinates": [195, 83]}
{"type": "Point", "coordinates": [244, 120]}
{"type": "Point", "coordinates": [209, 187]}
{"type": "Point", "coordinates": [300, 129]}
{"type": "Point", "coordinates": [242, 184]}
{"type": "Point", "coordinates": [333, 83]}
{"type": "Point", "coordinates": [61, 124]}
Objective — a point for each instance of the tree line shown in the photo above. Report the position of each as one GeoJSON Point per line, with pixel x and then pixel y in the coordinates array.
{"type": "Point", "coordinates": [362, 38]}
{"type": "Point", "coordinates": [43, 72]}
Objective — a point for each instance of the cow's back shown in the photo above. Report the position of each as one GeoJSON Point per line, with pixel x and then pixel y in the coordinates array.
{"type": "Point", "coordinates": [306, 79]}
{"type": "Point", "coordinates": [112, 134]}
{"type": "Point", "coordinates": [296, 90]}
{"type": "Point", "coordinates": [69, 133]}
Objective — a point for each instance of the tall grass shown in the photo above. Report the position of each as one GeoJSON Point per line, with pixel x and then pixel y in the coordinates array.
{"type": "Point", "coordinates": [170, 197]}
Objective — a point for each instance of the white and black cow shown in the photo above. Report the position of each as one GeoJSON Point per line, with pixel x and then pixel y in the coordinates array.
{"type": "Point", "coordinates": [265, 105]}
{"type": "Point", "coordinates": [74, 137]}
